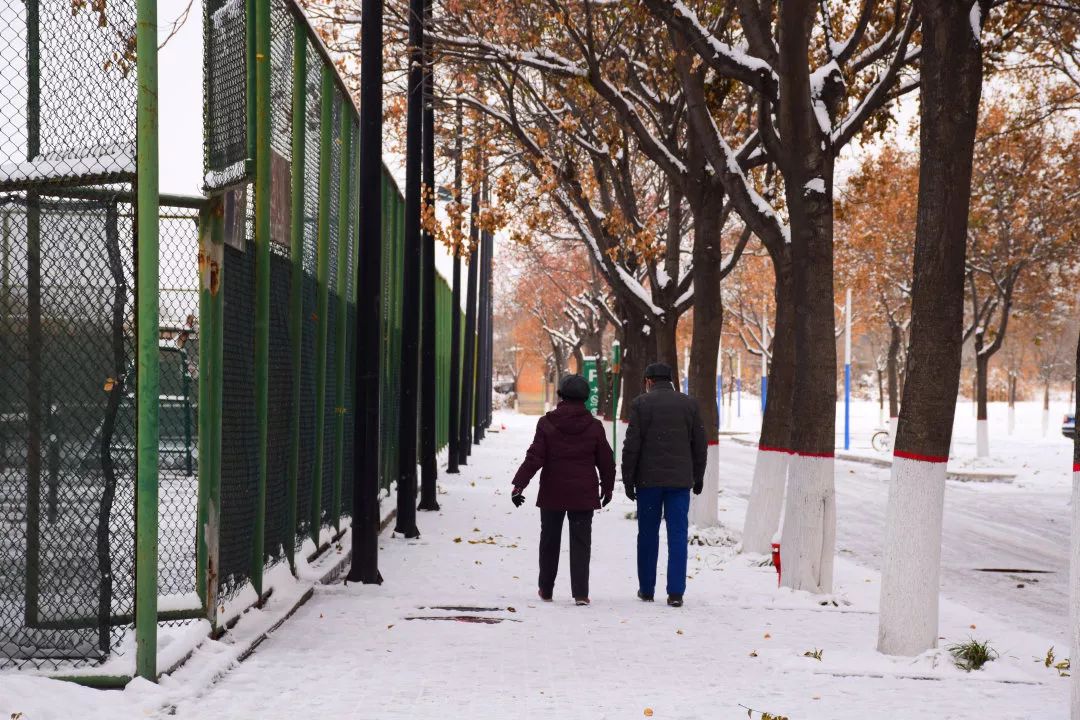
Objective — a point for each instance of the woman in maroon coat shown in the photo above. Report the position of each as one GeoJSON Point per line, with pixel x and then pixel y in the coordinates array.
{"type": "Point", "coordinates": [569, 448]}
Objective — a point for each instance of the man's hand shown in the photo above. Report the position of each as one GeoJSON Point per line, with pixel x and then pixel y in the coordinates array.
{"type": "Point", "coordinates": [605, 498]}
{"type": "Point", "coordinates": [699, 485]}
{"type": "Point", "coordinates": [517, 497]}
{"type": "Point", "coordinates": [631, 492]}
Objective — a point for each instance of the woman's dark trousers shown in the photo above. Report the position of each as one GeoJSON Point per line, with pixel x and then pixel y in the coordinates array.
{"type": "Point", "coordinates": [551, 522]}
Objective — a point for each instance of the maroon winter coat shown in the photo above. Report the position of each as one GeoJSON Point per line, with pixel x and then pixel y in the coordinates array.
{"type": "Point", "coordinates": [570, 445]}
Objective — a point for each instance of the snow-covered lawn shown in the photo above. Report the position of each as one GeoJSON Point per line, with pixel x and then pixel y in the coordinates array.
{"type": "Point", "coordinates": [355, 652]}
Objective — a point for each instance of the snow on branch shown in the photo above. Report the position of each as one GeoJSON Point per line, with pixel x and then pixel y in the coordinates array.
{"type": "Point", "coordinates": [727, 60]}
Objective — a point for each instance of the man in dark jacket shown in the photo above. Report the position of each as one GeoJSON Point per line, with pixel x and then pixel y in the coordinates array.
{"type": "Point", "coordinates": [663, 458]}
{"type": "Point", "coordinates": [570, 445]}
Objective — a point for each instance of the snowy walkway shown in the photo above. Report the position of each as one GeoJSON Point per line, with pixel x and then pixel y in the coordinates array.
{"type": "Point", "coordinates": [354, 653]}
{"type": "Point", "coordinates": [364, 652]}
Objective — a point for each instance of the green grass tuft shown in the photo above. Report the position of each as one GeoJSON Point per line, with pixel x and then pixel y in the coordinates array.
{"type": "Point", "coordinates": [972, 655]}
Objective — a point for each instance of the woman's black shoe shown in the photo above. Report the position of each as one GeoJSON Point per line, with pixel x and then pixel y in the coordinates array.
{"type": "Point", "coordinates": [642, 596]}
{"type": "Point", "coordinates": [674, 600]}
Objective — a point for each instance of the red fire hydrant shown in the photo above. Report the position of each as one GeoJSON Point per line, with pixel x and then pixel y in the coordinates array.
{"type": "Point", "coordinates": [776, 561]}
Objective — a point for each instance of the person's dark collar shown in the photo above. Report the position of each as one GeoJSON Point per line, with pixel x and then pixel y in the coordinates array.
{"type": "Point", "coordinates": [662, 385]}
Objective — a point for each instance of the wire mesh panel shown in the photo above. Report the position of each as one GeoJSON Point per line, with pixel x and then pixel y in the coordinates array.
{"type": "Point", "coordinates": [281, 78]}
{"type": "Point", "coordinates": [239, 433]}
{"type": "Point", "coordinates": [279, 436]}
{"type": "Point", "coordinates": [67, 92]}
{"type": "Point", "coordinates": [178, 486]}
{"type": "Point", "coordinates": [334, 249]}
{"type": "Point", "coordinates": [225, 104]}
{"type": "Point", "coordinates": [66, 427]}
{"type": "Point", "coordinates": [312, 128]}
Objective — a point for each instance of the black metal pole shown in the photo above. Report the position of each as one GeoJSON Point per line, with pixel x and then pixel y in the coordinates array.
{"type": "Point", "coordinates": [489, 384]}
{"type": "Point", "coordinates": [410, 281]}
{"type": "Point", "coordinates": [366, 517]}
{"type": "Point", "coordinates": [468, 383]}
{"type": "Point", "coordinates": [428, 471]}
{"type": "Point", "coordinates": [482, 321]}
{"type": "Point", "coordinates": [455, 313]}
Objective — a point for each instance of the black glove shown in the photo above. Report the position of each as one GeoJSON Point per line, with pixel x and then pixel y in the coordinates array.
{"type": "Point", "coordinates": [631, 492]}
{"type": "Point", "coordinates": [518, 499]}
{"type": "Point", "coordinates": [698, 486]}
{"type": "Point", "coordinates": [605, 498]}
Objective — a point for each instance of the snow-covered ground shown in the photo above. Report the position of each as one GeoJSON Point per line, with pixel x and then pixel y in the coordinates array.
{"type": "Point", "coordinates": [371, 652]}
{"type": "Point", "coordinates": [1022, 525]}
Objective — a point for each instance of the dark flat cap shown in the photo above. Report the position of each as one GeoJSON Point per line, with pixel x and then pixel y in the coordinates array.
{"type": "Point", "coordinates": [658, 371]}
{"type": "Point", "coordinates": [573, 387]}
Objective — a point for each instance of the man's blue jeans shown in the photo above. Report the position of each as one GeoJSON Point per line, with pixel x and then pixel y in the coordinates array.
{"type": "Point", "coordinates": [674, 505]}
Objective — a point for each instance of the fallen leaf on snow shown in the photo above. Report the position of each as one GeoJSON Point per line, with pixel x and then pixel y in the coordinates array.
{"type": "Point", "coordinates": [648, 712]}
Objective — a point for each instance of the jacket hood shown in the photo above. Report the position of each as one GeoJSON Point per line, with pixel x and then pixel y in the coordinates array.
{"type": "Point", "coordinates": [570, 418]}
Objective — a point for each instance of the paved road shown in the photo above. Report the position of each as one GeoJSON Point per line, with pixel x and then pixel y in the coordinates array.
{"type": "Point", "coordinates": [985, 526]}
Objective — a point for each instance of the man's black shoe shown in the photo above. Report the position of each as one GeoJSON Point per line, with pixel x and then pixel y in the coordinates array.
{"type": "Point", "coordinates": [674, 600]}
{"type": "Point", "coordinates": [642, 596]}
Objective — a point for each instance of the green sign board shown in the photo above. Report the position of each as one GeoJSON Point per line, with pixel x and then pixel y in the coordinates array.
{"type": "Point", "coordinates": [591, 370]}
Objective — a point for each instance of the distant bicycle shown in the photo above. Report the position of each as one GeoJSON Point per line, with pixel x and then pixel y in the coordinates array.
{"type": "Point", "coordinates": [881, 441]}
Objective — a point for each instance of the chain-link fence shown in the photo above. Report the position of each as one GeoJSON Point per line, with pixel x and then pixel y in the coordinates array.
{"type": "Point", "coordinates": [68, 309]}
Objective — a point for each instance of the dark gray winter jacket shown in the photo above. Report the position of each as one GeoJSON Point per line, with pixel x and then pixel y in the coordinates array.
{"type": "Point", "coordinates": [665, 441]}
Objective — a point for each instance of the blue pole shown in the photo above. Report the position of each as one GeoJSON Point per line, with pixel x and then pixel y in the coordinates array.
{"type": "Point", "coordinates": [847, 406]}
{"type": "Point", "coordinates": [764, 392]}
{"type": "Point", "coordinates": [738, 397]}
{"type": "Point", "coordinates": [719, 401]}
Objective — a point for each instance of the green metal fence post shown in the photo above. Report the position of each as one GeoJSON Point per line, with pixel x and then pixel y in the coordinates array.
{"type": "Point", "coordinates": [147, 394]}
{"type": "Point", "coordinates": [211, 305]}
{"type": "Point", "coordinates": [296, 288]}
{"type": "Point", "coordinates": [262, 279]}
{"type": "Point", "coordinates": [343, 266]}
{"type": "Point", "coordinates": [326, 131]}
{"type": "Point", "coordinates": [217, 395]}
{"type": "Point", "coordinates": [206, 453]}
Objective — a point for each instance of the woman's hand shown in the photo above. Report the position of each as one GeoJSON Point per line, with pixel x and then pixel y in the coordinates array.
{"type": "Point", "coordinates": [517, 497]}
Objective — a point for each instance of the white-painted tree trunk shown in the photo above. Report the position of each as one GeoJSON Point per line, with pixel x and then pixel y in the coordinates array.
{"type": "Point", "coordinates": [911, 576]}
{"type": "Point", "coordinates": [808, 539]}
{"type": "Point", "coordinates": [1045, 421]}
{"type": "Point", "coordinates": [1074, 590]}
{"type": "Point", "coordinates": [982, 438]}
{"type": "Point", "coordinates": [704, 511]}
{"type": "Point", "coordinates": [766, 501]}
{"type": "Point", "coordinates": [1012, 419]}
{"type": "Point", "coordinates": [892, 429]}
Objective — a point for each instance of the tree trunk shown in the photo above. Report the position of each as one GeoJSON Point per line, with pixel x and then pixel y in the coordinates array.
{"type": "Point", "coordinates": [1012, 402]}
{"type": "Point", "coordinates": [1046, 409]}
{"type": "Point", "coordinates": [771, 463]}
{"type": "Point", "coordinates": [951, 86]}
{"type": "Point", "coordinates": [809, 533]}
{"type": "Point", "coordinates": [894, 386]}
{"type": "Point", "coordinates": [982, 429]}
{"type": "Point", "coordinates": [704, 349]}
{"type": "Point", "coordinates": [666, 349]}
{"type": "Point", "coordinates": [637, 347]}
{"type": "Point", "coordinates": [880, 392]}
